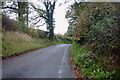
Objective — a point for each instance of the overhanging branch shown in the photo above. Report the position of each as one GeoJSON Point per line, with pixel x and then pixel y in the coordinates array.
{"type": "Point", "coordinates": [37, 21]}
{"type": "Point", "coordinates": [9, 8]}
{"type": "Point", "coordinates": [40, 25]}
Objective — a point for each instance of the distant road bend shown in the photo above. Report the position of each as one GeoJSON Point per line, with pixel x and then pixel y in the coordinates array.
{"type": "Point", "coordinates": [50, 62]}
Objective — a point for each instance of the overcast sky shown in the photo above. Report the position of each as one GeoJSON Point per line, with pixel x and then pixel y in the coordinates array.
{"type": "Point", "coordinates": [61, 21]}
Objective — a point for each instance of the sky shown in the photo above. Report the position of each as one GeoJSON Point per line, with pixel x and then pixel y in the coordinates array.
{"type": "Point", "coordinates": [60, 21]}
{"type": "Point", "coordinates": [61, 24]}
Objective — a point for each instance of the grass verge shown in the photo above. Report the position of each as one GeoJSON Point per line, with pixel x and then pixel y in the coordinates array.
{"type": "Point", "coordinates": [89, 64]}
{"type": "Point", "coordinates": [15, 43]}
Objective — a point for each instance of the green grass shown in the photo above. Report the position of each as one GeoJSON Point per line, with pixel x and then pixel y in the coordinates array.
{"type": "Point", "coordinates": [17, 47]}
{"type": "Point", "coordinates": [13, 44]}
{"type": "Point", "coordinates": [88, 64]}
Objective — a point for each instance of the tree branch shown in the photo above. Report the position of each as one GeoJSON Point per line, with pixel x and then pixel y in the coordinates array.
{"type": "Point", "coordinates": [9, 8]}
{"type": "Point", "coordinates": [37, 21]}
{"type": "Point", "coordinates": [35, 17]}
{"type": "Point", "coordinates": [41, 25]}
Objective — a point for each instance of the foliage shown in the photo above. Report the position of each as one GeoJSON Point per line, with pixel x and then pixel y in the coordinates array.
{"type": "Point", "coordinates": [89, 64]}
{"type": "Point", "coordinates": [62, 39]}
{"type": "Point", "coordinates": [8, 24]}
{"type": "Point", "coordinates": [12, 25]}
{"type": "Point", "coordinates": [70, 32]}
{"type": "Point", "coordinates": [37, 33]}
{"type": "Point", "coordinates": [96, 24]}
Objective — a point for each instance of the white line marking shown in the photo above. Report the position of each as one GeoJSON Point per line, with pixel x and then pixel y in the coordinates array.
{"type": "Point", "coordinates": [61, 65]}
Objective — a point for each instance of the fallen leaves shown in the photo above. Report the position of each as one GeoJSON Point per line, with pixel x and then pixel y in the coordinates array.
{"type": "Point", "coordinates": [76, 69]}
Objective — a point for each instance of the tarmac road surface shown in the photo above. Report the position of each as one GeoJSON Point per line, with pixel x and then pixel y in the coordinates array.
{"type": "Point", "coordinates": [50, 62]}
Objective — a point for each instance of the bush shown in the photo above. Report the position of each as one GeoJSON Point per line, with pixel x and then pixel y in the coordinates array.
{"type": "Point", "coordinates": [37, 33]}
{"type": "Point", "coordinates": [9, 24]}
{"type": "Point", "coordinates": [66, 40]}
{"type": "Point", "coordinates": [13, 25]}
{"type": "Point", "coordinates": [90, 65]}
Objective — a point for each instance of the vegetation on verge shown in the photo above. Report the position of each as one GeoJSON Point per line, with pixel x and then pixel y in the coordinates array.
{"type": "Point", "coordinates": [96, 31]}
{"type": "Point", "coordinates": [91, 65]}
{"type": "Point", "coordinates": [15, 43]}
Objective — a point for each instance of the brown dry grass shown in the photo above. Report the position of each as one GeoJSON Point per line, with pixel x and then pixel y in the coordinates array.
{"type": "Point", "coordinates": [8, 36]}
{"type": "Point", "coordinates": [23, 36]}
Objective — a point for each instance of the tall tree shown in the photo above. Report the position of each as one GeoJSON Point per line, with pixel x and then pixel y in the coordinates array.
{"type": "Point", "coordinates": [20, 8]}
{"type": "Point", "coordinates": [47, 15]}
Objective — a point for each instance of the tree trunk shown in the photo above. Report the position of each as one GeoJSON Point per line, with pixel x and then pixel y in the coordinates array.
{"type": "Point", "coordinates": [49, 17]}
{"type": "Point", "coordinates": [20, 16]}
{"type": "Point", "coordinates": [51, 33]}
{"type": "Point", "coordinates": [20, 12]}
{"type": "Point", "coordinates": [23, 9]}
{"type": "Point", "coordinates": [27, 13]}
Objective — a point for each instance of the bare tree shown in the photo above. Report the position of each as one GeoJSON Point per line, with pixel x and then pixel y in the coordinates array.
{"type": "Point", "coordinates": [47, 15]}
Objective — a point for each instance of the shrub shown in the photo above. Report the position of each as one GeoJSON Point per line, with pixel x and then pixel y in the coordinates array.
{"type": "Point", "coordinates": [9, 24]}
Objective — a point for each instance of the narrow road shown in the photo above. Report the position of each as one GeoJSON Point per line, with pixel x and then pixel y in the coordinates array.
{"type": "Point", "coordinates": [50, 62]}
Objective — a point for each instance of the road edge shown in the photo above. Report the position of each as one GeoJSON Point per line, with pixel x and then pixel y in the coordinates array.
{"type": "Point", "coordinates": [75, 69]}
{"type": "Point", "coordinates": [23, 53]}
